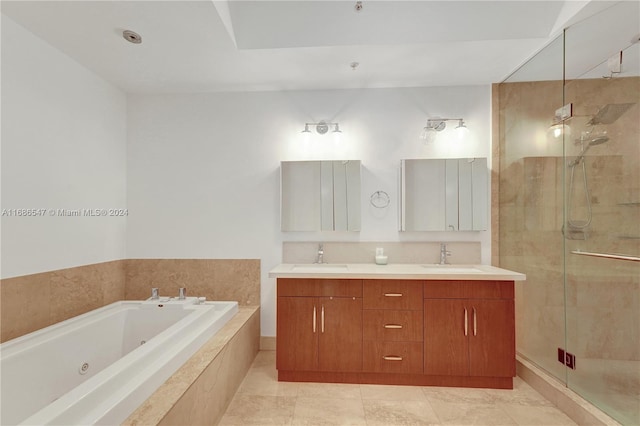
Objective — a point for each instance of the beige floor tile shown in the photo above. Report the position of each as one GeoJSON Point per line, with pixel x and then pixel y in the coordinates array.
{"type": "Point", "coordinates": [259, 410]}
{"type": "Point", "coordinates": [328, 411]}
{"type": "Point", "coordinates": [471, 414]}
{"type": "Point", "coordinates": [457, 395]}
{"type": "Point", "coordinates": [329, 390]}
{"type": "Point", "coordinates": [257, 383]}
{"type": "Point", "coordinates": [262, 400]}
{"type": "Point", "coordinates": [537, 416]}
{"type": "Point", "coordinates": [265, 359]}
{"type": "Point", "coordinates": [396, 413]}
{"type": "Point", "coordinates": [392, 393]}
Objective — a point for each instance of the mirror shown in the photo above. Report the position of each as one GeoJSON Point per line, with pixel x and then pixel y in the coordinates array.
{"type": "Point", "coordinates": [444, 194]}
{"type": "Point", "coordinates": [320, 195]}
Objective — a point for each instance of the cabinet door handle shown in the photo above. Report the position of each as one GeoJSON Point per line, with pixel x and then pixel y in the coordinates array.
{"type": "Point", "coordinates": [475, 322]}
{"type": "Point", "coordinates": [466, 322]}
{"type": "Point", "coordinates": [392, 358]}
{"type": "Point", "coordinates": [322, 319]}
{"type": "Point", "coordinates": [314, 319]}
{"type": "Point", "coordinates": [392, 326]}
{"type": "Point", "coordinates": [393, 295]}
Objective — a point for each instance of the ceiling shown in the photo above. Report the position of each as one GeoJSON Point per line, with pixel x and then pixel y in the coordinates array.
{"type": "Point", "coordinates": [237, 45]}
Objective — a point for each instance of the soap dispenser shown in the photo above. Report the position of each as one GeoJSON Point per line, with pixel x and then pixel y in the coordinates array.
{"type": "Point", "coordinates": [381, 259]}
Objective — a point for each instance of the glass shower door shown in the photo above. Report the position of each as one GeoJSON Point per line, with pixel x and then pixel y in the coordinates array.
{"type": "Point", "coordinates": [602, 207]}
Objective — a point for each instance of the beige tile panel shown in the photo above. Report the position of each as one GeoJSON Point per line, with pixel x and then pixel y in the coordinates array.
{"type": "Point", "coordinates": [25, 304]}
{"type": "Point", "coordinates": [471, 414]}
{"type": "Point", "coordinates": [259, 410]}
{"type": "Point", "coordinates": [397, 412]}
{"type": "Point", "coordinates": [216, 279]}
{"type": "Point", "coordinates": [200, 391]}
{"type": "Point", "coordinates": [32, 302]}
{"type": "Point", "coordinates": [364, 252]}
{"type": "Point", "coordinates": [328, 411]}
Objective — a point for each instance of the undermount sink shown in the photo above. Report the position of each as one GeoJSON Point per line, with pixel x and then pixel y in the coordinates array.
{"type": "Point", "coordinates": [453, 269]}
{"type": "Point", "coordinates": [320, 267]}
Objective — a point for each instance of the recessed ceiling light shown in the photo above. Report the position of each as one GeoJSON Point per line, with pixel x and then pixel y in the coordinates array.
{"type": "Point", "coordinates": [132, 37]}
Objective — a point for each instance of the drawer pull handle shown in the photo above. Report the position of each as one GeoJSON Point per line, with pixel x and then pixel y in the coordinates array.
{"type": "Point", "coordinates": [392, 326]}
{"type": "Point", "coordinates": [466, 322]}
{"type": "Point", "coordinates": [314, 319]}
{"type": "Point", "coordinates": [392, 358]}
{"type": "Point", "coordinates": [475, 322]}
{"type": "Point", "coordinates": [393, 295]}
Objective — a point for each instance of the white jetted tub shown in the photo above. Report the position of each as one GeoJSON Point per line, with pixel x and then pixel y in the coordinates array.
{"type": "Point", "coordinates": [97, 368]}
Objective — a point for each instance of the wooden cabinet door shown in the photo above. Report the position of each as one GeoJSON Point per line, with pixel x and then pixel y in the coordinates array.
{"type": "Point", "coordinates": [446, 348]}
{"type": "Point", "coordinates": [340, 334]}
{"type": "Point", "coordinates": [298, 329]}
{"type": "Point", "coordinates": [492, 338]}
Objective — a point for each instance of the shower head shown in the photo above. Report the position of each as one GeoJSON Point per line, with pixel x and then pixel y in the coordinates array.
{"type": "Point", "coordinates": [609, 113]}
{"type": "Point", "coordinates": [598, 140]}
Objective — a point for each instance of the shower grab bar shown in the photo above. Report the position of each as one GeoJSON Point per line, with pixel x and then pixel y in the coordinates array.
{"type": "Point", "coordinates": [608, 255]}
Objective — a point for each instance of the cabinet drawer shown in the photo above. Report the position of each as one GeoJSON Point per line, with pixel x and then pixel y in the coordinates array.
{"type": "Point", "coordinates": [392, 294]}
{"type": "Point", "coordinates": [454, 289]}
{"type": "Point", "coordinates": [393, 326]}
{"type": "Point", "coordinates": [392, 357]}
{"type": "Point", "coordinates": [317, 287]}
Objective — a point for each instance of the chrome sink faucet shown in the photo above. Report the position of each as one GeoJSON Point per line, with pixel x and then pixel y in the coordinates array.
{"type": "Point", "coordinates": [320, 257]}
{"type": "Point", "coordinates": [443, 254]}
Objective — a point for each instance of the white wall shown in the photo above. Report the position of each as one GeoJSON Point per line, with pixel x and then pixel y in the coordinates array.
{"type": "Point", "coordinates": [203, 169]}
{"type": "Point", "coordinates": [63, 147]}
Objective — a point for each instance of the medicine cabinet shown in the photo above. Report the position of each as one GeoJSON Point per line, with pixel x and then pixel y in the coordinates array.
{"type": "Point", "coordinates": [444, 194]}
{"type": "Point", "coordinates": [320, 195]}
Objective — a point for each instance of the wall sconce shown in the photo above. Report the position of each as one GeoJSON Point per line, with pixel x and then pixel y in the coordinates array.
{"type": "Point", "coordinates": [435, 125]}
{"type": "Point", "coordinates": [322, 127]}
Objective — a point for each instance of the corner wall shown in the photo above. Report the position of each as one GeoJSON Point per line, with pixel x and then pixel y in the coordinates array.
{"type": "Point", "coordinates": [63, 158]}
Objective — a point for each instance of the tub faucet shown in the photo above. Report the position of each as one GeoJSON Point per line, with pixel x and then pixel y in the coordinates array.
{"type": "Point", "coordinates": [320, 258]}
{"type": "Point", "coordinates": [154, 293]}
{"type": "Point", "coordinates": [182, 293]}
{"type": "Point", "coordinates": [444, 253]}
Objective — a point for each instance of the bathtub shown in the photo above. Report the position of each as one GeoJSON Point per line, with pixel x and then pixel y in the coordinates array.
{"type": "Point", "coordinates": [97, 368]}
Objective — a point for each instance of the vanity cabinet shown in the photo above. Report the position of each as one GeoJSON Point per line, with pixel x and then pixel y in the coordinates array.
{"type": "Point", "coordinates": [319, 325]}
{"type": "Point", "coordinates": [469, 328]}
{"type": "Point", "coordinates": [396, 331]}
{"type": "Point", "coordinates": [392, 334]}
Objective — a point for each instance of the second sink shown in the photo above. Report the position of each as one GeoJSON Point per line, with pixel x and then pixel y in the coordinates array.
{"type": "Point", "coordinates": [453, 269]}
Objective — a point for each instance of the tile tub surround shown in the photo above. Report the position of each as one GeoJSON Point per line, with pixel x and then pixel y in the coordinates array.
{"type": "Point", "coordinates": [216, 279]}
{"type": "Point", "coordinates": [397, 252]}
{"type": "Point", "coordinates": [200, 391]}
{"type": "Point", "coordinates": [31, 302]}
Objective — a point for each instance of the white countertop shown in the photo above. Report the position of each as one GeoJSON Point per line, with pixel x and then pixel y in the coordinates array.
{"type": "Point", "coordinates": [395, 271]}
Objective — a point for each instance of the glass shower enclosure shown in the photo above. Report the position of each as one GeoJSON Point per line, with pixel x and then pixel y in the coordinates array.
{"type": "Point", "coordinates": [569, 207]}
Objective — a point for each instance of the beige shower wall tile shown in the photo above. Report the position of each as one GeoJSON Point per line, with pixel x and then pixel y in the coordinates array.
{"type": "Point", "coordinates": [215, 279]}
{"type": "Point", "coordinates": [25, 305]}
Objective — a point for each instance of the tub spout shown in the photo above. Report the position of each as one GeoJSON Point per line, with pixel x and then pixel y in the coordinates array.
{"type": "Point", "coordinates": [182, 293]}
{"type": "Point", "coordinates": [154, 293]}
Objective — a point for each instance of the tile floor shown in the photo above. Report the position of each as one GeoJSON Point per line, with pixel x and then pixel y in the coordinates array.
{"type": "Point", "coordinates": [262, 400]}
